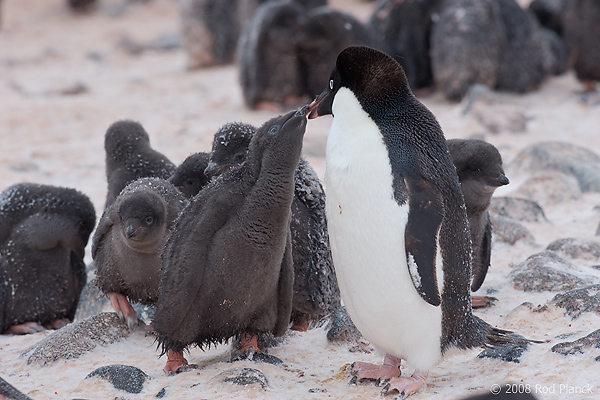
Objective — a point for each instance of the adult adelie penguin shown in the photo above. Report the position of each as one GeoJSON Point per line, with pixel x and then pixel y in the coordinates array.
{"type": "Point", "coordinates": [227, 266]}
{"type": "Point", "coordinates": [479, 168]}
{"type": "Point", "coordinates": [397, 222]}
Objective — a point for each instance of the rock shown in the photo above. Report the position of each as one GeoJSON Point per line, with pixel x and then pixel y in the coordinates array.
{"type": "Point", "coordinates": [546, 271]}
{"type": "Point", "coordinates": [340, 328]}
{"type": "Point", "coordinates": [549, 188]}
{"type": "Point", "coordinates": [9, 392]}
{"type": "Point", "coordinates": [510, 352]}
{"type": "Point", "coordinates": [517, 209]}
{"type": "Point", "coordinates": [122, 377]}
{"type": "Point", "coordinates": [493, 111]}
{"type": "Point", "coordinates": [577, 301]}
{"type": "Point", "coordinates": [576, 248]}
{"type": "Point", "coordinates": [579, 346]}
{"type": "Point", "coordinates": [244, 376]}
{"type": "Point", "coordinates": [78, 338]}
{"type": "Point", "coordinates": [562, 157]}
{"type": "Point", "coordinates": [91, 301]}
{"type": "Point", "coordinates": [508, 231]}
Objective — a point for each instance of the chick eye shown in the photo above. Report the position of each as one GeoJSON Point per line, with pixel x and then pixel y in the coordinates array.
{"type": "Point", "coordinates": [331, 84]}
{"type": "Point", "coordinates": [273, 129]}
{"type": "Point", "coordinates": [149, 220]}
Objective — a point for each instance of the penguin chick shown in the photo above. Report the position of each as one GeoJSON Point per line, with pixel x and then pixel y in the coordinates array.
{"type": "Point", "coordinates": [397, 221]}
{"type": "Point", "coordinates": [43, 232]}
{"type": "Point", "coordinates": [130, 157]}
{"type": "Point", "coordinates": [128, 240]}
{"type": "Point", "coordinates": [316, 292]}
{"type": "Point", "coordinates": [227, 265]}
{"type": "Point", "coordinates": [479, 168]}
{"type": "Point", "coordinates": [189, 177]}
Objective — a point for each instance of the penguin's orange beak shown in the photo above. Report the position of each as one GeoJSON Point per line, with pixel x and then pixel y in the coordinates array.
{"type": "Point", "coordinates": [312, 107]}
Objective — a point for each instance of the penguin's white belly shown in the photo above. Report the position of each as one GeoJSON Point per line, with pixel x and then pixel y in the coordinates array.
{"type": "Point", "coordinates": [366, 229]}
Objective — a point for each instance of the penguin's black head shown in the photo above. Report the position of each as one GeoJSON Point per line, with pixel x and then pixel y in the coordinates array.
{"type": "Point", "coordinates": [142, 216]}
{"type": "Point", "coordinates": [376, 79]}
{"type": "Point", "coordinates": [189, 177]}
{"type": "Point", "coordinates": [230, 147]}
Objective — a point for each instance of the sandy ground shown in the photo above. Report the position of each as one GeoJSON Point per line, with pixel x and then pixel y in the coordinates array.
{"type": "Point", "coordinates": [64, 78]}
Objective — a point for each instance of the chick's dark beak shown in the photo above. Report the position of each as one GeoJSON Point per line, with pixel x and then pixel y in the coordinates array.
{"type": "Point", "coordinates": [502, 180]}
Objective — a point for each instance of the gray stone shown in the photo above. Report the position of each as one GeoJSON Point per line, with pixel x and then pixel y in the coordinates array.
{"type": "Point", "coordinates": [591, 341]}
{"type": "Point", "coordinates": [508, 231]}
{"type": "Point", "coordinates": [548, 188]}
{"type": "Point", "coordinates": [546, 271]}
{"type": "Point", "coordinates": [563, 157]}
{"type": "Point", "coordinates": [122, 377]}
{"type": "Point", "coordinates": [510, 352]}
{"type": "Point", "coordinates": [517, 209]}
{"type": "Point", "coordinates": [244, 376]}
{"type": "Point", "coordinates": [576, 248]}
{"type": "Point", "coordinates": [340, 328]}
{"type": "Point", "coordinates": [78, 338]}
{"type": "Point", "coordinates": [577, 301]}
{"type": "Point", "coordinates": [91, 301]}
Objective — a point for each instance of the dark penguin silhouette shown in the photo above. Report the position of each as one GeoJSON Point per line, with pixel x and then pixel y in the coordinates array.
{"type": "Point", "coordinates": [582, 34]}
{"type": "Point", "coordinates": [397, 222]}
{"type": "Point", "coordinates": [402, 29]}
{"type": "Point", "coordinates": [43, 232]}
{"type": "Point", "coordinates": [316, 292]}
{"type": "Point", "coordinates": [129, 156]}
{"type": "Point", "coordinates": [267, 57]}
{"type": "Point", "coordinates": [128, 241]}
{"type": "Point", "coordinates": [550, 13]}
{"type": "Point", "coordinates": [210, 29]}
{"type": "Point", "coordinates": [227, 266]}
{"type": "Point", "coordinates": [479, 168]}
{"type": "Point", "coordinates": [322, 35]}
{"type": "Point", "coordinates": [189, 177]}
{"type": "Point", "coordinates": [466, 44]}
{"type": "Point", "coordinates": [521, 66]}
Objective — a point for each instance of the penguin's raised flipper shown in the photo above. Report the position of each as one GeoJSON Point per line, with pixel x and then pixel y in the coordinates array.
{"type": "Point", "coordinates": [425, 215]}
{"type": "Point", "coordinates": [480, 272]}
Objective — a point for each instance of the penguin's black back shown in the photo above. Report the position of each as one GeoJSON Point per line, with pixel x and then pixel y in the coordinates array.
{"type": "Point", "coordinates": [43, 232]}
{"type": "Point", "coordinates": [129, 156]}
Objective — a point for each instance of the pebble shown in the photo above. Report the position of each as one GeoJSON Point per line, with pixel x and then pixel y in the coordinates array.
{"type": "Point", "coordinates": [78, 338]}
{"type": "Point", "coordinates": [591, 341]}
{"type": "Point", "coordinates": [517, 209]}
{"type": "Point", "coordinates": [508, 231]}
{"type": "Point", "coordinates": [577, 301]}
{"type": "Point", "coordinates": [122, 377]}
{"type": "Point", "coordinates": [244, 376]}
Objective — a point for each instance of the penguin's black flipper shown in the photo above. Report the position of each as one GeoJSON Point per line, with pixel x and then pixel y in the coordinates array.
{"type": "Point", "coordinates": [480, 271]}
{"type": "Point", "coordinates": [425, 215]}
{"type": "Point", "coordinates": [104, 226]}
{"type": "Point", "coordinates": [286, 290]}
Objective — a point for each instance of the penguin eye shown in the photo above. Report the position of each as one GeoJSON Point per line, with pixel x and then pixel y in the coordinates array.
{"type": "Point", "coordinates": [331, 84]}
{"type": "Point", "coordinates": [149, 220]}
{"type": "Point", "coordinates": [273, 129]}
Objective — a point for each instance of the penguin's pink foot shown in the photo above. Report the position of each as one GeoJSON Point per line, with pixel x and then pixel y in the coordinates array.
{"type": "Point", "coordinates": [300, 326]}
{"type": "Point", "coordinates": [57, 323]}
{"type": "Point", "coordinates": [123, 308]}
{"type": "Point", "coordinates": [176, 363]}
{"type": "Point", "coordinates": [483, 301]}
{"type": "Point", "coordinates": [25, 328]}
{"type": "Point", "coordinates": [406, 386]}
{"type": "Point", "coordinates": [367, 371]}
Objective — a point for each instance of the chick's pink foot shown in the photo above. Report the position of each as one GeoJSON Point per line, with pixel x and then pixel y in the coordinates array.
{"type": "Point", "coordinates": [406, 386]}
{"type": "Point", "coordinates": [123, 309]}
{"type": "Point", "coordinates": [389, 369]}
{"type": "Point", "coordinates": [175, 360]}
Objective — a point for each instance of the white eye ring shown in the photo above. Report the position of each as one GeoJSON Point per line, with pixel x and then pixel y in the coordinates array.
{"type": "Point", "coordinates": [331, 84]}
